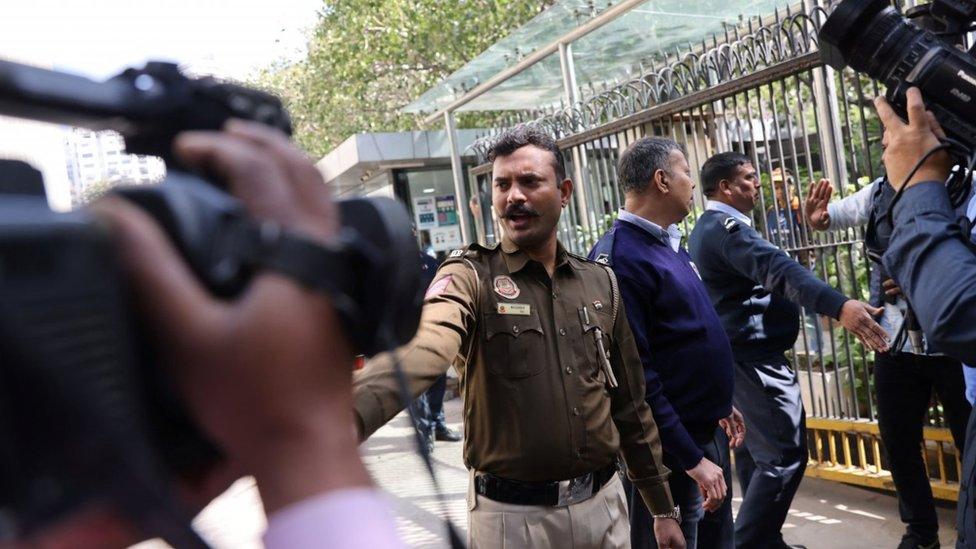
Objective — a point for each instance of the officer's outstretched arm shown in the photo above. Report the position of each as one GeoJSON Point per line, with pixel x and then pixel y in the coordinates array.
{"type": "Point", "coordinates": [449, 311]}
{"type": "Point", "coordinates": [759, 260]}
{"type": "Point", "coordinates": [640, 442]}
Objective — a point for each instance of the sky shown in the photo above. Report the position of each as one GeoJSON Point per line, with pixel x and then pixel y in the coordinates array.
{"type": "Point", "coordinates": [99, 38]}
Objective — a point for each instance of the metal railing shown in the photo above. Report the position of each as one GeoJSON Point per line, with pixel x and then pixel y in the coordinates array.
{"type": "Point", "coordinates": [762, 90]}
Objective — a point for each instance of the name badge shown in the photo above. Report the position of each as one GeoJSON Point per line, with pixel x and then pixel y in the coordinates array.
{"type": "Point", "coordinates": [522, 309]}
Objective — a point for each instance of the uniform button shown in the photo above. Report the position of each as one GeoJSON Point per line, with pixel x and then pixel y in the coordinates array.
{"type": "Point", "coordinates": [569, 371]}
{"type": "Point", "coordinates": [562, 331]}
{"type": "Point", "coordinates": [579, 452]}
{"type": "Point", "coordinates": [576, 411]}
{"type": "Point", "coordinates": [555, 295]}
{"type": "Point", "coordinates": [515, 328]}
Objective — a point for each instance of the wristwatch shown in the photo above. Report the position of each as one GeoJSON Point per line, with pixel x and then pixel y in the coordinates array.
{"type": "Point", "coordinates": [673, 514]}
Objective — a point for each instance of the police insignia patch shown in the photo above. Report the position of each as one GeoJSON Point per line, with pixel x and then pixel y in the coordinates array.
{"type": "Point", "coordinates": [506, 287]}
{"type": "Point", "coordinates": [457, 253]}
{"type": "Point", "coordinates": [603, 258]}
{"type": "Point", "coordinates": [730, 224]}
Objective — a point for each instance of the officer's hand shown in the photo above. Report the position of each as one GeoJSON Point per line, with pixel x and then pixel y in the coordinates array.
{"type": "Point", "coordinates": [816, 204]}
{"type": "Point", "coordinates": [735, 428]}
{"type": "Point", "coordinates": [908, 143]}
{"type": "Point", "coordinates": [891, 288]}
{"type": "Point", "coordinates": [858, 318]}
{"type": "Point", "coordinates": [268, 375]}
{"type": "Point", "coordinates": [668, 534]}
{"type": "Point", "coordinates": [711, 481]}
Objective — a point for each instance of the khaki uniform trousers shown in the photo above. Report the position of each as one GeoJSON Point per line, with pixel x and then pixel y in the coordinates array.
{"type": "Point", "coordinates": [600, 522]}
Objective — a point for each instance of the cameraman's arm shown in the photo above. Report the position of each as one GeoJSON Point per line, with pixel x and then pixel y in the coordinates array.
{"type": "Point", "coordinates": [935, 268]}
{"type": "Point", "coordinates": [928, 255]}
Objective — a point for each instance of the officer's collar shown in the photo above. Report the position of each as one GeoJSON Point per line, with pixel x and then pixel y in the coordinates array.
{"type": "Point", "coordinates": [715, 205]}
{"type": "Point", "coordinates": [516, 260]}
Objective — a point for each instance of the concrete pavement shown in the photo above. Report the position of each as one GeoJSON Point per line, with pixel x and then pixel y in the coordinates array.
{"type": "Point", "coordinates": [825, 514]}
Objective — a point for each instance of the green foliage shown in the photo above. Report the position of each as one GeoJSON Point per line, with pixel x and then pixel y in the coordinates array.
{"type": "Point", "coordinates": [368, 58]}
{"type": "Point", "coordinates": [585, 239]}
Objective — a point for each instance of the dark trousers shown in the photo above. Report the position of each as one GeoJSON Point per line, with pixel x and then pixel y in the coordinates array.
{"type": "Point", "coordinates": [903, 383]}
{"type": "Point", "coordinates": [770, 464]}
{"type": "Point", "coordinates": [702, 530]}
{"type": "Point", "coordinates": [428, 409]}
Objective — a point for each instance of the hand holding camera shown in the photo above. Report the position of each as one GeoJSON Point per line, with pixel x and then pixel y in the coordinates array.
{"type": "Point", "coordinates": [228, 358]}
{"type": "Point", "coordinates": [912, 151]}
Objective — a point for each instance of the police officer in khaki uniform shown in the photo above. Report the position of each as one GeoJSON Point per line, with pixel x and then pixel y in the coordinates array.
{"type": "Point", "coordinates": [552, 383]}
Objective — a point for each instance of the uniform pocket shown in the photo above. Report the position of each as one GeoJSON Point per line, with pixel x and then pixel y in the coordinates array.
{"type": "Point", "coordinates": [515, 345]}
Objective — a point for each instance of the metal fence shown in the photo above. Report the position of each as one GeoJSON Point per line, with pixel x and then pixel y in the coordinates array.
{"type": "Point", "coordinates": [762, 90]}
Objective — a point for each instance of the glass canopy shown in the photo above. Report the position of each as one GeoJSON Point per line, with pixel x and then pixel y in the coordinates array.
{"type": "Point", "coordinates": [607, 55]}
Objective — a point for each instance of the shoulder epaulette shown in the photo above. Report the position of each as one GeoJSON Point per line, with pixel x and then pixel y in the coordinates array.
{"type": "Point", "coordinates": [473, 251]}
{"type": "Point", "coordinates": [730, 224]}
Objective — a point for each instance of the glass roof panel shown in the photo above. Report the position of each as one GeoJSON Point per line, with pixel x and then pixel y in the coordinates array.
{"type": "Point", "coordinates": [609, 54]}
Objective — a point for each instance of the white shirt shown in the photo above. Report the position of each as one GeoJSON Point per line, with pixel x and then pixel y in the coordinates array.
{"type": "Point", "coordinates": [673, 233]}
{"type": "Point", "coordinates": [354, 518]}
{"type": "Point", "coordinates": [717, 206]}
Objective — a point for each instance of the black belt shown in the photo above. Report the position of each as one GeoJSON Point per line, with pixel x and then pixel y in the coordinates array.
{"type": "Point", "coordinates": [547, 493]}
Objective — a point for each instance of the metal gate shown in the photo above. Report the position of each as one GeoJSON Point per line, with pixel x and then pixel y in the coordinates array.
{"type": "Point", "coordinates": [762, 90]}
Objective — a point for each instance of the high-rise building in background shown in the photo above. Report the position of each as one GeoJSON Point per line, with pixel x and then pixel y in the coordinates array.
{"type": "Point", "coordinates": [97, 161]}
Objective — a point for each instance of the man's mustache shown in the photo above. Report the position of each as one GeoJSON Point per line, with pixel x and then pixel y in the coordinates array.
{"type": "Point", "coordinates": [520, 210]}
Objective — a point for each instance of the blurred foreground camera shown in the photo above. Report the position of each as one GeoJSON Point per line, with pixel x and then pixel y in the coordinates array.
{"type": "Point", "coordinates": [87, 413]}
{"type": "Point", "coordinates": [872, 37]}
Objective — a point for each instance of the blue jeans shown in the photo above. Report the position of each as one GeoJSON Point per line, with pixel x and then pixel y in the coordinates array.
{"type": "Point", "coordinates": [702, 530]}
{"type": "Point", "coordinates": [771, 463]}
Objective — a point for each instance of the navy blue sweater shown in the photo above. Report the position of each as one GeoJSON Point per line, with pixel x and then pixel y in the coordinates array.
{"type": "Point", "coordinates": [755, 286]}
{"type": "Point", "coordinates": [684, 350]}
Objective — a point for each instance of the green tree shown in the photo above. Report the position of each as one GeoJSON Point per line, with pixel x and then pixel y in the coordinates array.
{"type": "Point", "coordinates": [368, 58]}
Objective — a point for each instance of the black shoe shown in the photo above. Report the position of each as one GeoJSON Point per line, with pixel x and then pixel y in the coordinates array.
{"type": "Point", "coordinates": [911, 542]}
{"type": "Point", "coordinates": [443, 433]}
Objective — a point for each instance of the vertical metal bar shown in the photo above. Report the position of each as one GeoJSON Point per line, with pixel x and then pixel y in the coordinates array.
{"type": "Point", "coordinates": [571, 97]}
{"type": "Point", "coordinates": [457, 170]}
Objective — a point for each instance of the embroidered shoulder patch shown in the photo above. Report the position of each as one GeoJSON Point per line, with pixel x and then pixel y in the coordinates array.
{"type": "Point", "coordinates": [457, 253]}
{"type": "Point", "coordinates": [730, 224]}
{"type": "Point", "coordinates": [603, 258]}
{"type": "Point", "coordinates": [437, 287]}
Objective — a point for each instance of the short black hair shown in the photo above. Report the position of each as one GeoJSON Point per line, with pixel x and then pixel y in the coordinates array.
{"type": "Point", "coordinates": [511, 140]}
{"type": "Point", "coordinates": [718, 167]}
{"type": "Point", "coordinates": [642, 158]}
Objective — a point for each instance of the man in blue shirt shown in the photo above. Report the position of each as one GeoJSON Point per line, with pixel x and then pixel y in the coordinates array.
{"type": "Point", "coordinates": [755, 288]}
{"type": "Point", "coordinates": [684, 350]}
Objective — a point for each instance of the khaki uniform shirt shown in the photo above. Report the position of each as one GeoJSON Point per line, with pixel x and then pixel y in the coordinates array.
{"type": "Point", "coordinates": [536, 403]}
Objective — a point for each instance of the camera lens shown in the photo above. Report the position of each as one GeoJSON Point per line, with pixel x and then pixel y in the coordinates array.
{"type": "Point", "coordinates": [872, 37]}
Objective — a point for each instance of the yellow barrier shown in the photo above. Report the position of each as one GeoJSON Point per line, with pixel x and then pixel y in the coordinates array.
{"type": "Point", "coordinates": [850, 451]}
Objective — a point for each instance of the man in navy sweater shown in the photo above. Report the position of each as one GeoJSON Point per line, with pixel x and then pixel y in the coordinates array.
{"type": "Point", "coordinates": [756, 287]}
{"type": "Point", "coordinates": [684, 350]}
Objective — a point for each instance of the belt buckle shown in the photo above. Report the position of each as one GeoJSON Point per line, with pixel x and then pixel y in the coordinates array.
{"type": "Point", "coordinates": [575, 490]}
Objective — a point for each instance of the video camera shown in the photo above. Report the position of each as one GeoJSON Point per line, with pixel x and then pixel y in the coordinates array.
{"type": "Point", "coordinates": [86, 410]}
{"type": "Point", "coordinates": [873, 37]}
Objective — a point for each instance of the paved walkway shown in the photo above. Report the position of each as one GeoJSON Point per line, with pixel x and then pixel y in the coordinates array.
{"type": "Point", "coordinates": [825, 514]}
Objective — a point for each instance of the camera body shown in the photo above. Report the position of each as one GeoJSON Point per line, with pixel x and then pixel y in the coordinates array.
{"type": "Point", "coordinates": [87, 412]}
{"type": "Point", "coordinates": [872, 37]}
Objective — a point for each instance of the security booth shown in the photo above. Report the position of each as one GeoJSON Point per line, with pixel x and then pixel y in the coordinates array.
{"type": "Point", "coordinates": [729, 75]}
{"type": "Point", "coordinates": [413, 167]}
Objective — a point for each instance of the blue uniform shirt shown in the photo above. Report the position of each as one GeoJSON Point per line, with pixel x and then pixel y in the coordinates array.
{"type": "Point", "coordinates": [754, 285]}
{"type": "Point", "coordinates": [684, 351]}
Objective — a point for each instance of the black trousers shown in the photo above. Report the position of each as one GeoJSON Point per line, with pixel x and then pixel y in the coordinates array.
{"type": "Point", "coordinates": [904, 383]}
